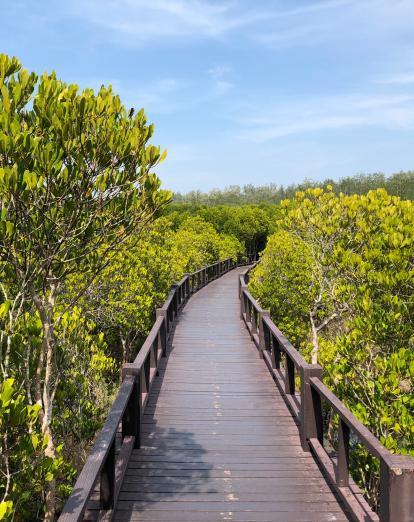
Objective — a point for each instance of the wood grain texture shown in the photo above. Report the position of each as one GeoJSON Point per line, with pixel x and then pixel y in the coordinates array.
{"type": "Point", "coordinates": [218, 441]}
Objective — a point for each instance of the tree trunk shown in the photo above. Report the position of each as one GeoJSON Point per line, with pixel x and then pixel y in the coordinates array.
{"type": "Point", "coordinates": [126, 347]}
{"type": "Point", "coordinates": [315, 343]}
{"type": "Point", "coordinates": [45, 394]}
{"type": "Point", "coordinates": [50, 500]}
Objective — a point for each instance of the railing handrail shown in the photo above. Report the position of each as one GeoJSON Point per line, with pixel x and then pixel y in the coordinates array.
{"type": "Point", "coordinates": [396, 471]}
{"type": "Point", "coordinates": [76, 503]}
{"type": "Point", "coordinates": [127, 409]}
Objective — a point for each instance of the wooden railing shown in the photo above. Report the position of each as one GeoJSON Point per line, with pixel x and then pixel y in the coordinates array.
{"type": "Point", "coordinates": [105, 467]}
{"type": "Point", "coordinates": [286, 364]}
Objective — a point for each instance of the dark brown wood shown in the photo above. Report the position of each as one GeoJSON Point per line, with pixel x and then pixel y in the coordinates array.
{"type": "Point", "coordinates": [289, 376]}
{"type": "Point", "coordinates": [396, 480]}
{"type": "Point", "coordinates": [131, 420]}
{"type": "Point", "coordinates": [214, 438]}
{"type": "Point", "coordinates": [342, 468]}
{"type": "Point", "coordinates": [107, 479]}
{"type": "Point", "coordinates": [311, 421]}
{"type": "Point", "coordinates": [217, 435]}
{"type": "Point", "coordinates": [397, 489]}
{"type": "Point", "coordinates": [77, 502]}
{"type": "Point", "coordinates": [351, 496]}
{"type": "Point", "coordinates": [121, 464]}
{"type": "Point", "coordinates": [138, 377]}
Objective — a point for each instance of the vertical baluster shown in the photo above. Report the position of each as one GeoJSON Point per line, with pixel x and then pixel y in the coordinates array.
{"type": "Point", "coordinates": [154, 356]}
{"type": "Point", "coordinates": [342, 468]}
{"type": "Point", "coordinates": [311, 419]}
{"type": "Point", "coordinates": [147, 372]}
{"type": "Point", "coordinates": [176, 301]}
{"type": "Point", "coordinates": [163, 330]}
{"type": "Point", "coordinates": [107, 479]}
{"type": "Point", "coordinates": [242, 304]}
{"type": "Point", "coordinates": [248, 314]}
{"type": "Point", "coordinates": [131, 420]}
{"type": "Point", "coordinates": [264, 336]}
{"type": "Point", "coordinates": [170, 315]}
{"type": "Point", "coordinates": [143, 382]}
{"type": "Point", "coordinates": [162, 336]}
{"type": "Point", "coordinates": [253, 319]}
{"type": "Point", "coordinates": [289, 376]}
{"type": "Point", "coordinates": [276, 353]}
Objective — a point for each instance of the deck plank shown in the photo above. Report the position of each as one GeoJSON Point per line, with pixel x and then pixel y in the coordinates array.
{"type": "Point", "coordinates": [218, 441]}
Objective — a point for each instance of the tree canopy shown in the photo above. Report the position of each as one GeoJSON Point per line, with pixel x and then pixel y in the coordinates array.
{"type": "Point", "coordinates": [90, 245]}
{"type": "Point", "coordinates": [337, 276]}
{"type": "Point", "coordinates": [399, 184]}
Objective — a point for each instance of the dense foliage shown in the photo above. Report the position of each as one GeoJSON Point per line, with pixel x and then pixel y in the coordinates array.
{"type": "Point", "coordinates": [83, 264]}
{"type": "Point", "coordinates": [250, 224]}
{"type": "Point", "coordinates": [400, 184]}
{"type": "Point", "coordinates": [337, 276]}
{"type": "Point", "coordinates": [89, 249]}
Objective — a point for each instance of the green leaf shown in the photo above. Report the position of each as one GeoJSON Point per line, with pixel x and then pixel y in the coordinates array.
{"type": "Point", "coordinates": [4, 308]}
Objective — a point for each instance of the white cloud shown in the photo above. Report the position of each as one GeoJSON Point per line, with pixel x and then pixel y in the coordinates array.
{"type": "Point", "coordinates": [140, 21]}
{"type": "Point", "coordinates": [295, 118]}
{"type": "Point", "coordinates": [277, 39]}
{"type": "Point", "coordinates": [219, 71]}
{"type": "Point", "coordinates": [220, 77]}
{"type": "Point", "coordinates": [146, 20]}
{"type": "Point", "coordinates": [399, 79]}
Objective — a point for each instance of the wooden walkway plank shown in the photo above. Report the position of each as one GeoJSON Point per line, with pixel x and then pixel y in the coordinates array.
{"type": "Point", "coordinates": [218, 441]}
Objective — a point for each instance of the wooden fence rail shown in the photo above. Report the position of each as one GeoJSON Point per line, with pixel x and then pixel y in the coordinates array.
{"type": "Point", "coordinates": [396, 471]}
{"type": "Point", "coordinates": [104, 466]}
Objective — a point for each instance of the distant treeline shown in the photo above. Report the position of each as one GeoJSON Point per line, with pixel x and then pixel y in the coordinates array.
{"type": "Point", "coordinates": [400, 184]}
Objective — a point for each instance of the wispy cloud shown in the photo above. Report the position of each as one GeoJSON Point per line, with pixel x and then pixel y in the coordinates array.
{"type": "Point", "coordinates": [398, 79]}
{"type": "Point", "coordinates": [278, 39]}
{"type": "Point", "coordinates": [139, 21]}
{"type": "Point", "coordinates": [220, 77]}
{"type": "Point", "coordinates": [219, 71]}
{"type": "Point", "coordinates": [144, 20]}
{"type": "Point", "coordinates": [328, 114]}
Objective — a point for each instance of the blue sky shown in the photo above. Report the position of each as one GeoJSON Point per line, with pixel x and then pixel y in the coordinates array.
{"type": "Point", "coordinates": [240, 91]}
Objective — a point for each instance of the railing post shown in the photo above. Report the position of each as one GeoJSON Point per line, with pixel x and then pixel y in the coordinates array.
{"type": "Point", "coordinates": [175, 299]}
{"type": "Point", "coordinates": [248, 310]}
{"type": "Point", "coordinates": [107, 480]}
{"type": "Point", "coordinates": [311, 422]}
{"type": "Point", "coordinates": [159, 312]}
{"type": "Point", "coordinates": [342, 468]}
{"type": "Point", "coordinates": [131, 420]}
{"type": "Point", "coordinates": [253, 321]}
{"type": "Point", "coordinates": [204, 278]}
{"type": "Point", "coordinates": [262, 333]}
{"type": "Point", "coordinates": [241, 285]}
{"type": "Point", "coordinates": [275, 353]}
{"type": "Point", "coordinates": [289, 376]}
{"type": "Point", "coordinates": [187, 286]}
{"type": "Point", "coordinates": [242, 305]}
{"type": "Point", "coordinates": [396, 489]}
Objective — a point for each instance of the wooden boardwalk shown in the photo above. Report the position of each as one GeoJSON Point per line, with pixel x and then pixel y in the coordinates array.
{"type": "Point", "coordinates": [218, 442]}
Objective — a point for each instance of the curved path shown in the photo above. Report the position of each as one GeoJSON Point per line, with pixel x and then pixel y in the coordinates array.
{"type": "Point", "coordinates": [218, 442]}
